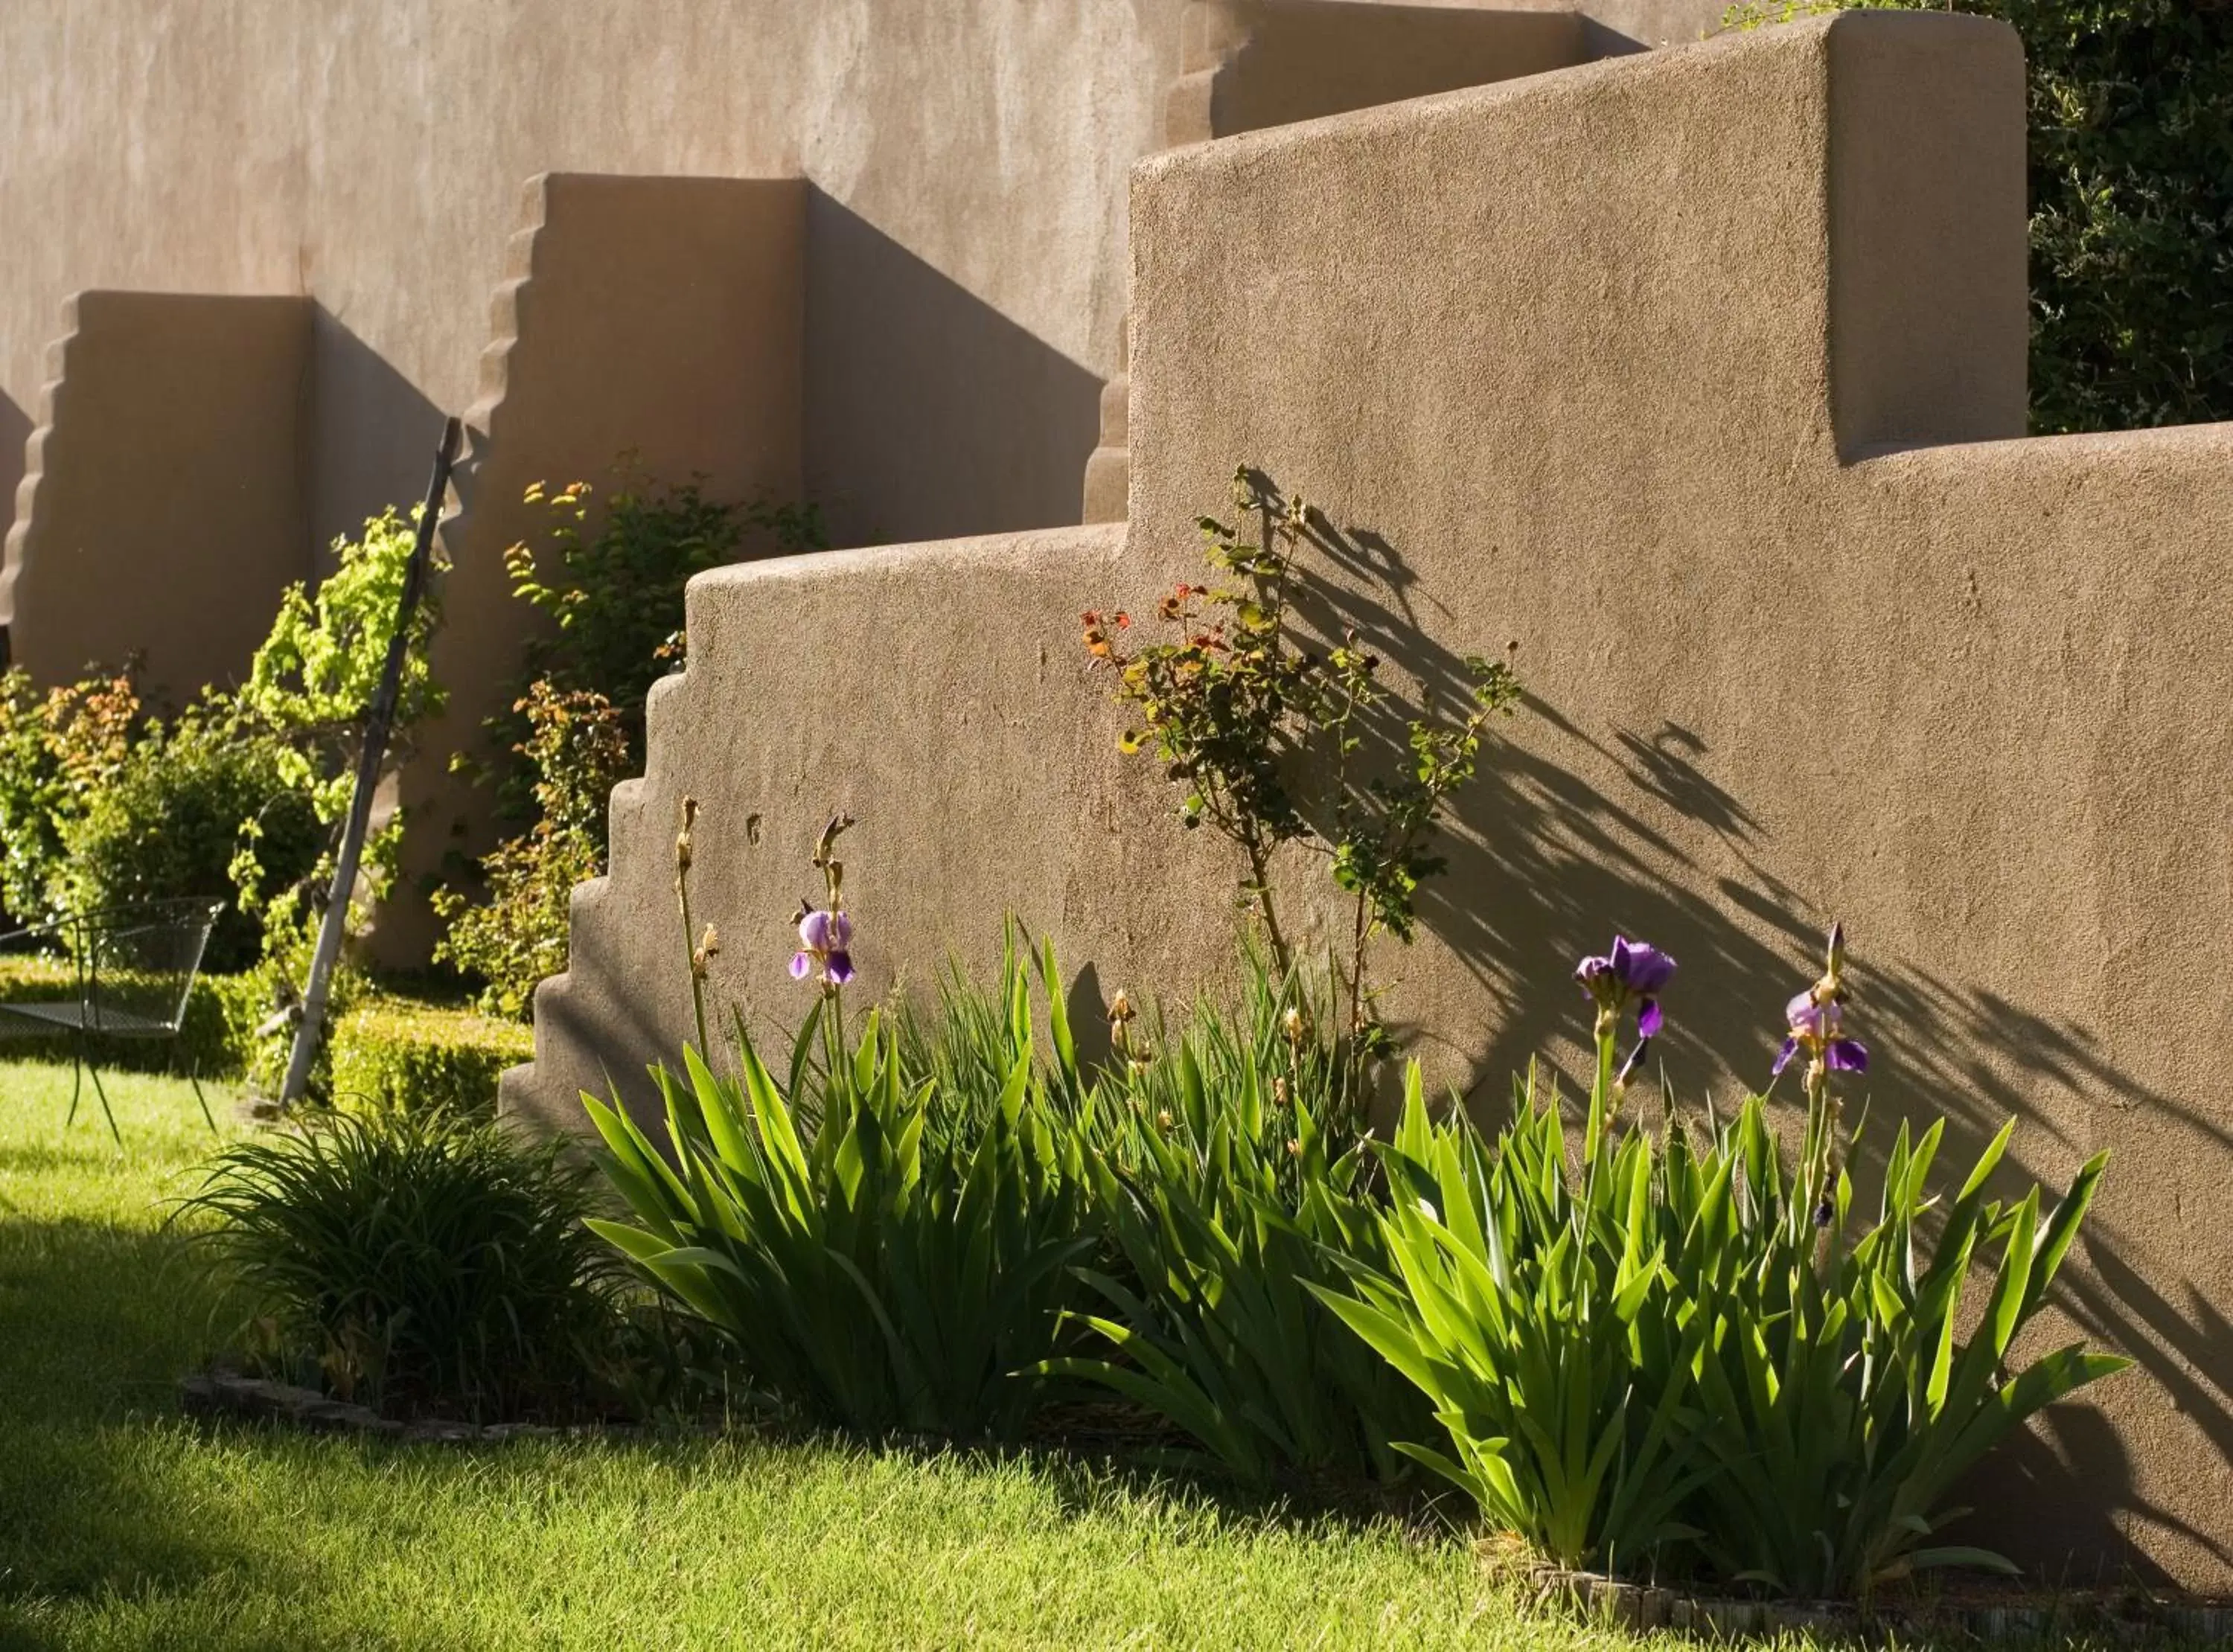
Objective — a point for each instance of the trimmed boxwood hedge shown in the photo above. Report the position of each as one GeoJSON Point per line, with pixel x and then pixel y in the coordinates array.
{"type": "Point", "coordinates": [396, 1055]}
{"type": "Point", "coordinates": [393, 1052]}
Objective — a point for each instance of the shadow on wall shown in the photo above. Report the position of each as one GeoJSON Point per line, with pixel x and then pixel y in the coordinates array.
{"type": "Point", "coordinates": [929, 415]}
{"type": "Point", "coordinates": [1540, 858]}
{"type": "Point", "coordinates": [1600, 40]}
{"type": "Point", "coordinates": [372, 435]}
{"type": "Point", "coordinates": [16, 429]}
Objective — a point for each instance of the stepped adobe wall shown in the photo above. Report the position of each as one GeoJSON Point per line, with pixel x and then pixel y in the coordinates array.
{"type": "Point", "coordinates": [168, 459]}
{"type": "Point", "coordinates": [955, 275]}
{"type": "Point", "coordinates": [1733, 452]}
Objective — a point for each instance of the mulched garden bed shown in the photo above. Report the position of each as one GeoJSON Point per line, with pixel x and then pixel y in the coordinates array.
{"type": "Point", "coordinates": [227, 1395]}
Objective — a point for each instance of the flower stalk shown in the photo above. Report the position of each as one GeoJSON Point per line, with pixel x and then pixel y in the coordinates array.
{"type": "Point", "coordinates": [1630, 977]}
{"type": "Point", "coordinates": [1815, 1030]}
{"type": "Point", "coordinates": [698, 953]}
{"type": "Point", "coordinates": [825, 936]}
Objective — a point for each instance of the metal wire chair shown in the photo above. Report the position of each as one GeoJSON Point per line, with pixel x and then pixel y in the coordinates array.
{"type": "Point", "coordinates": [126, 973]}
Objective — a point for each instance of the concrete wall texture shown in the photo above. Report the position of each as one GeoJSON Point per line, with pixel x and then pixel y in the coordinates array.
{"type": "Point", "coordinates": [662, 316]}
{"type": "Point", "coordinates": [1733, 452]}
{"type": "Point", "coordinates": [368, 154]}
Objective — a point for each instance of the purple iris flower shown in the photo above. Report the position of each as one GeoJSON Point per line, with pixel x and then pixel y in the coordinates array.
{"type": "Point", "coordinates": [1632, 973]}
{"type": "Point", "coordinates": [1818, 1027]}
{"type": "Point", "coordinates": [824, 938]}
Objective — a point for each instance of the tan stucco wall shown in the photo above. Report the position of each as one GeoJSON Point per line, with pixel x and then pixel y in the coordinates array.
{"type": "Point", "coordinates": [967, 159]}
{"type": "Point", "coordinates": [954, 244]}
{"type": "Point", "coordinates": [1247, 65]}
{"type": "Point", "coordinates": [164, 511]}
{"type": "Point", "coordinates": [1646, 25]}
{"type": "Point", "coordinates": [966, 218]}
{"type": "Point", "coordinates": [1714, 440]}
{"type": "Point", "coordinates": [1257, 63]}
{"type": "Point", "coordinates": [662, 316]}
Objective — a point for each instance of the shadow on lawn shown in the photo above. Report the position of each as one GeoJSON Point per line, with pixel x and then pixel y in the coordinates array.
{"type": "Point", "coordinates": [96, 1321]}
{"type": "Point", "coordinates": [103, 1506]}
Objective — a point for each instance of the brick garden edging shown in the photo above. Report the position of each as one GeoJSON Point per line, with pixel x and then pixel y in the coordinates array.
{"type": "Point", "coordinates": [221, 1394]}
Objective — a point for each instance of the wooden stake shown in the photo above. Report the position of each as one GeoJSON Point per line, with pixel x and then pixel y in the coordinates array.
{"type": "Point", "coordinates": [380, 721]}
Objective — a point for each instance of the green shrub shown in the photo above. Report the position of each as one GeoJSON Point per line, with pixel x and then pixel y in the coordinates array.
{"type": "Point", "coordinates": [218, 1035]}
{"type": "Point", "coordinates": [517, 938]}
{"type": "Point", "coordinates": [612, 590]}
{"type": "Point", "coordinates": [2132, 202]}
{"type": "Point", "coordinates": [392, 1056]}
{"type": "Point", "coordinates": [170, 820]}
{"type": "Point", "coordinates": [1227, 704]}
{"type": "Point", "coordinates": [57, 750]}
{"type": "Point", "coordinates": [417, 1263]}
{"type": "Point", "coordinates": [102, 806]}
{"type": "Point", "coordinates": [310, 685]}
{"type": "Point", "coordinates": [612, 586]}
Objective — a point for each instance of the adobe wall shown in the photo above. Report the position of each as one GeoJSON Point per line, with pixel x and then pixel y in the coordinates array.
{"type": "Point", "coordinates": [661, 317]}
{"type": "Point", "coordinates": [1247, 65]}
{"type": "Point", "coordinates": [951, 259]}
{"type": "Point", "coordinates": [966, 163]}
{"type": "Point", "coordinates": [165, 508]}
{"type": "Point", "coordinates": [1731, 448]}
{"type": "Point", "coordinates": [968, 159]}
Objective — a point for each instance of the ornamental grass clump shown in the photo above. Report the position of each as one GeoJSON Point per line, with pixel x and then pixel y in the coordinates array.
{"type": "Point", "coordinates": [419, 1264]}
{"type": "Point", "coordinates": [1677, 1357]}
{"type": "Point", "coordinates": [866, 1263]}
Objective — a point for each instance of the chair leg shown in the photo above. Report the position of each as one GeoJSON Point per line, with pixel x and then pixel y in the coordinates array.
{"type": "Point", "coordinates": [194, 1078]}
{"type": "Point", "coordinates": [104, 1110]}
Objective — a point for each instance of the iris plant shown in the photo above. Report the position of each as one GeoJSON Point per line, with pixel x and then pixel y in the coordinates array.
{"type": "Point", "coordinates": [1632, 976]}
{"type": "Point", "coordinates": [1815, 1023]}
{"type": "Point", "coordinates": [1816, 1019]}
{"type": "Point", "coordinates": [826, 932]}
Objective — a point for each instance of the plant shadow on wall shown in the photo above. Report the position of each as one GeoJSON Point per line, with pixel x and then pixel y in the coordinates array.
{"type": "Point", "coordinates": [374, 425]}
{"type": "Point", "coordinates": [1541, 856]}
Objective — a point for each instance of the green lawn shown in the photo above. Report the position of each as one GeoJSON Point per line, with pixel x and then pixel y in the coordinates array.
{"type": "Point", "coordinates": [121, 1525]}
